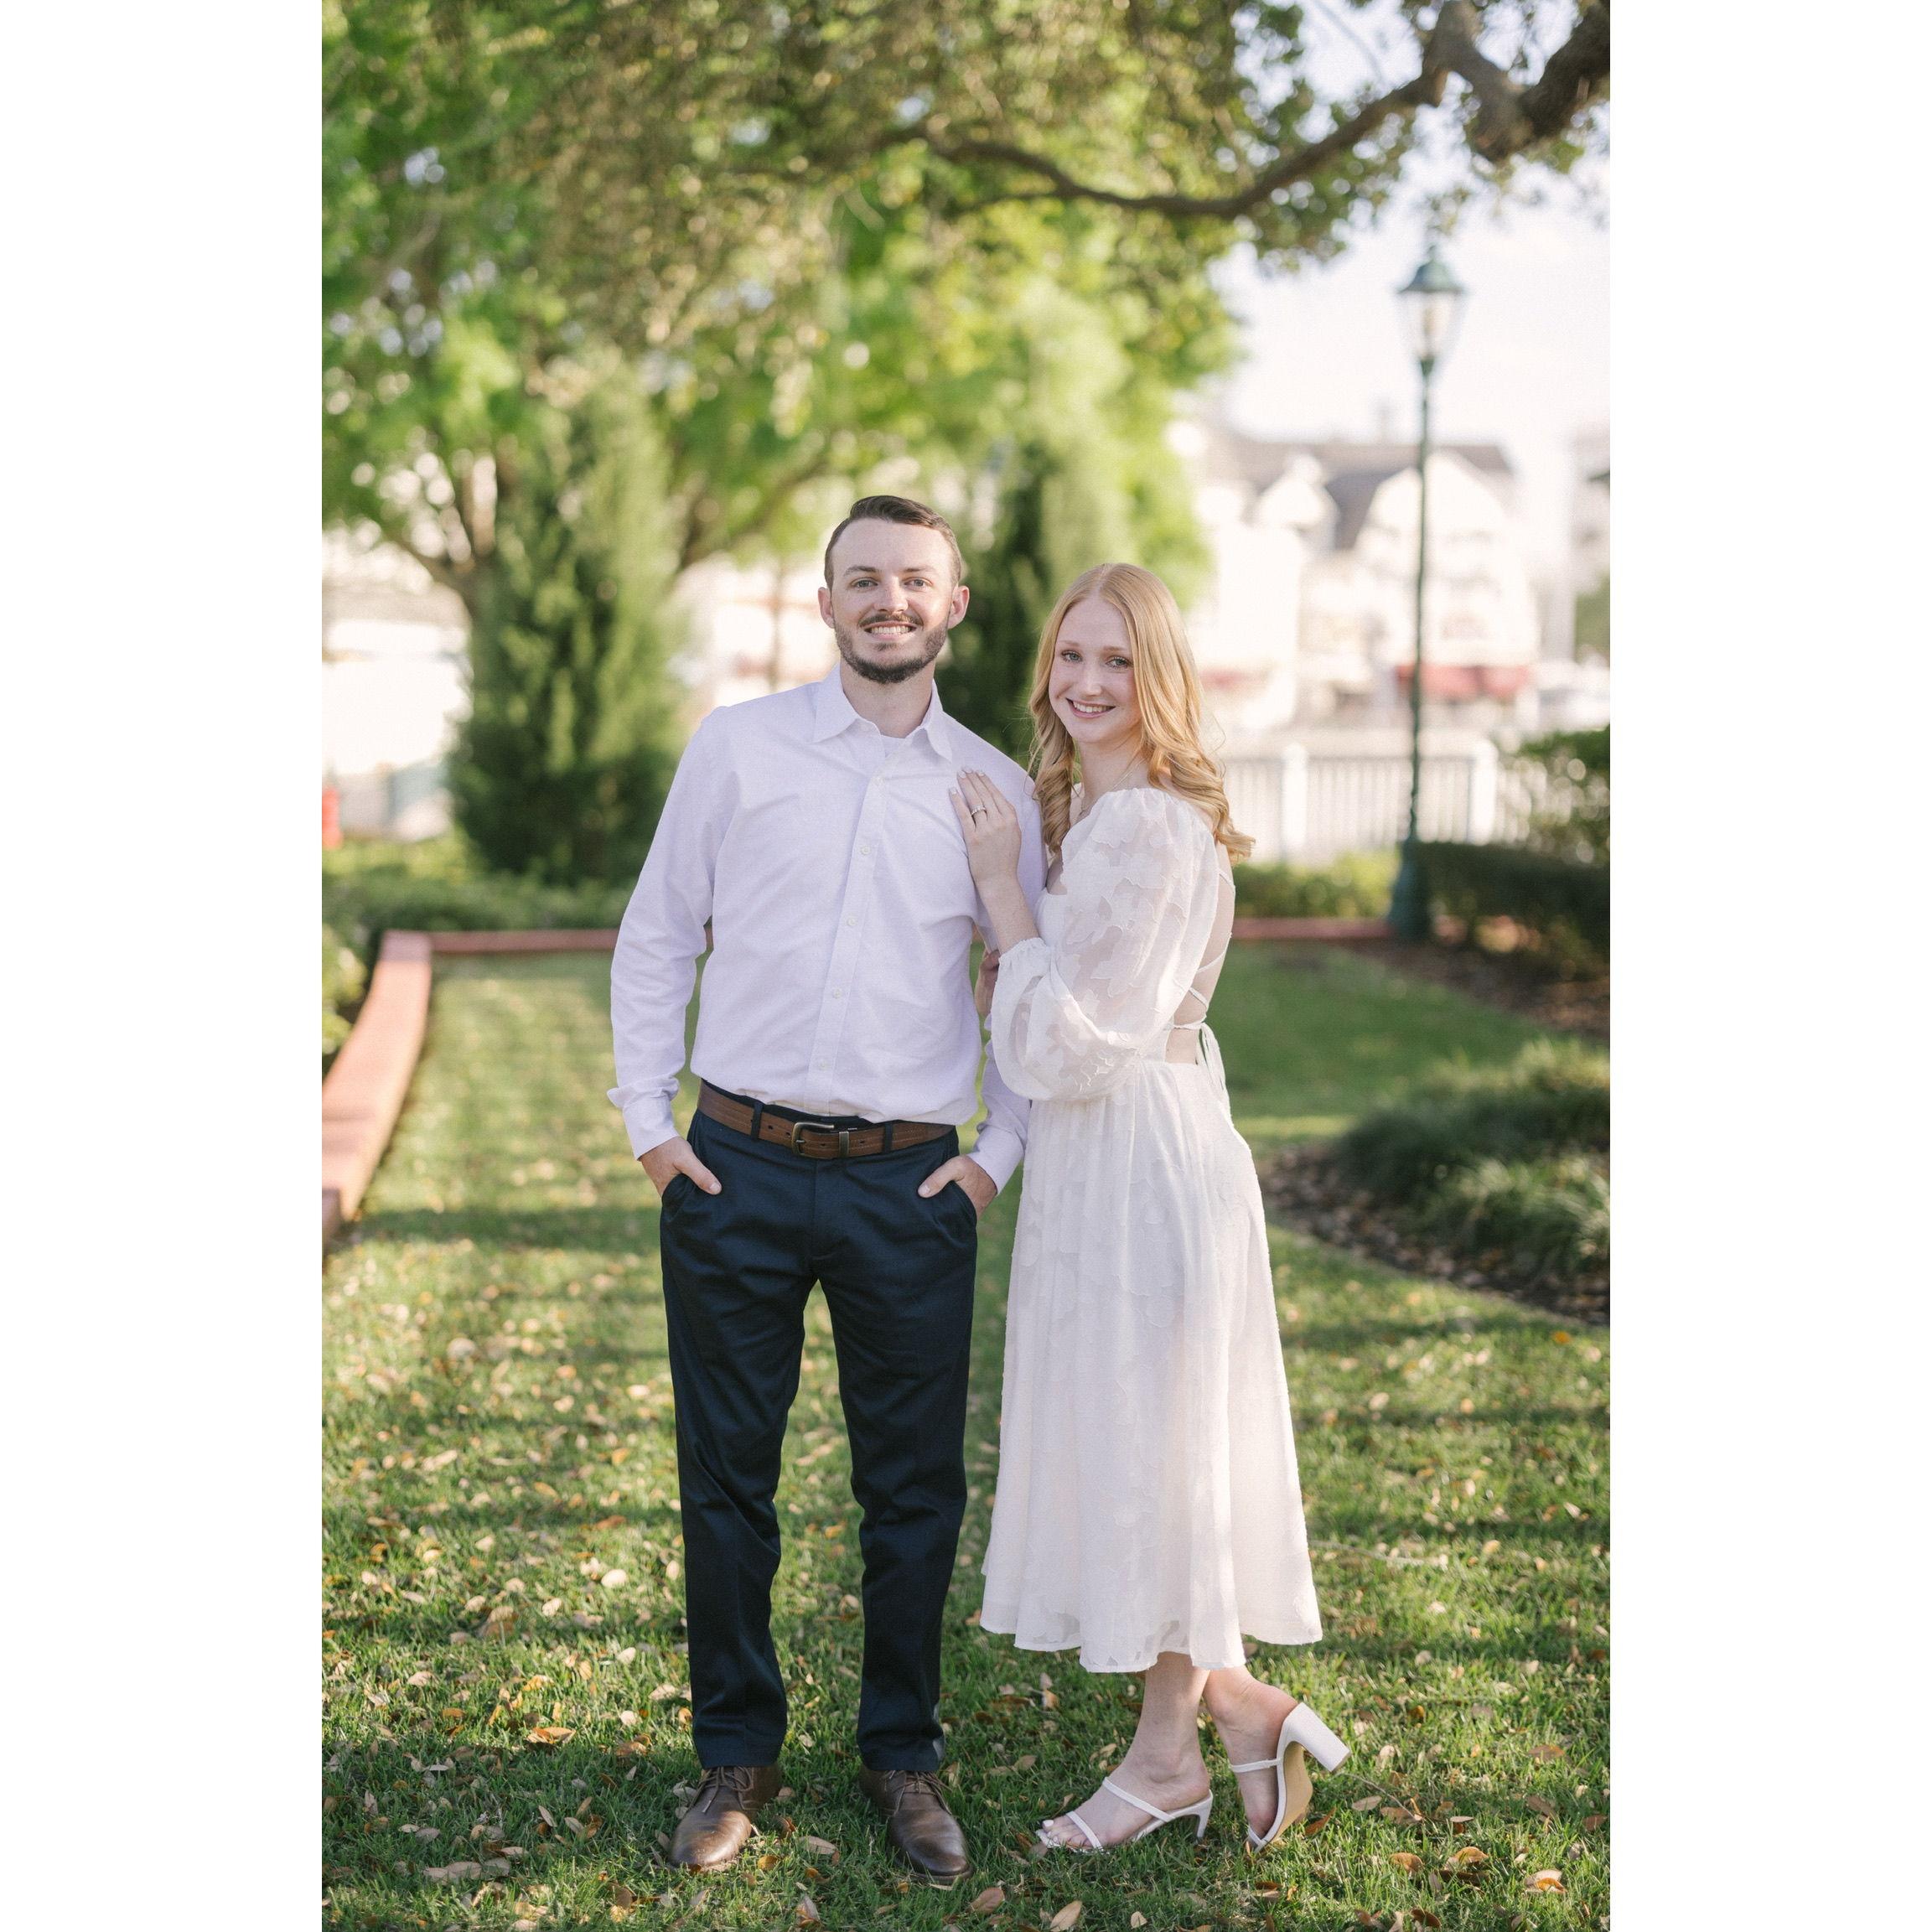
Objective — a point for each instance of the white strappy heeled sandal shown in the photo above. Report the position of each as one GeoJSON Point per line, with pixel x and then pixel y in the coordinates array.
{"type": "Point", "coordinates": [1156, 1819]}
{"type": "Point", "coordinates": [1303, 1732]}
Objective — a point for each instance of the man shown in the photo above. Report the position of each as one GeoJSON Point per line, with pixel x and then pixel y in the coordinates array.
{"type": "Point", "coordinates": [837, 1045]}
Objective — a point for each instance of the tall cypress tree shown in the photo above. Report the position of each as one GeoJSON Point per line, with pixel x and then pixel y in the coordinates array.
{"type": "Point", "coordinates": [985, 680]}
{"type": "Point", "coordinates": [563, 765]}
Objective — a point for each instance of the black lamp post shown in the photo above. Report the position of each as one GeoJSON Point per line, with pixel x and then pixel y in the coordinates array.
{"type": "Point", "coordinates": [1432, 308]}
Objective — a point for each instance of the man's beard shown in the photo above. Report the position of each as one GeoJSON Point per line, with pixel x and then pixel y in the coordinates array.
{"type": "Point", "coordinates": [933, 641]}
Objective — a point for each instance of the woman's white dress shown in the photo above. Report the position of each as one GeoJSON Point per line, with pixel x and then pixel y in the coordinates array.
{"type": "Point", "coordinates": [1147, 1497]}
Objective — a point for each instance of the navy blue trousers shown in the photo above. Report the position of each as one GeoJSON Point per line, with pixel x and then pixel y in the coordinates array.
{"type": "Point", "coordinates": [897, 1274]}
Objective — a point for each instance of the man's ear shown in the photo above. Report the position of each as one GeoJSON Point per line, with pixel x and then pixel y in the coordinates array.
{"type": "Point", "coordinates": [825, 603]}
{"type": "Point", "coordinates": [961, 597]}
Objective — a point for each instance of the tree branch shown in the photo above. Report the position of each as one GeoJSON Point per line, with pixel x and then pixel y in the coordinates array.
{"type": "Point", "coordinates": [1510, 117]}
{"type": "Point", "coordinates": [1294, 165]}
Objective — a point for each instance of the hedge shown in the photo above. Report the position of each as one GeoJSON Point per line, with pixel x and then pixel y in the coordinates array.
{"type": "Point", "coordinates": [1355, 886]}
{"type": "Point", "coordinates": [437, 886]}
{"type": "Point", "coordinates": [1567, 903]}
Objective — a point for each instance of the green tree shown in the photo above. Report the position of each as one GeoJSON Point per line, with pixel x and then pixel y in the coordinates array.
{"type": "Point", "coordinates": [825, 237]}
{"type": "Point", "coordinates": [984, 679]}
{"type": "Point", "coordinates": [566, 755]}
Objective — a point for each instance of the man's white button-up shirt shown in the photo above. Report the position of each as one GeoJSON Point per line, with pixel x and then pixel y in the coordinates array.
{"type": "Point", "coordinates": [828, 861]}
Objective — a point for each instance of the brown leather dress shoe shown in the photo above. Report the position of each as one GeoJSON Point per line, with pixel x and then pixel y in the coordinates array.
{"type": "Point", "coordinates": [923, 1829]}
{"type": "Point", "coordinates": [723, 1816]}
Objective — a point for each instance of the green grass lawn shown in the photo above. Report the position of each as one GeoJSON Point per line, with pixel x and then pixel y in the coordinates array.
{"type": "Point", "coordinates": [499, 1460]}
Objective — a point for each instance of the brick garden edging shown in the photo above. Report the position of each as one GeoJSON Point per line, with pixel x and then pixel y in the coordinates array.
{"type": "Point", "coordinates": [365, 1088]}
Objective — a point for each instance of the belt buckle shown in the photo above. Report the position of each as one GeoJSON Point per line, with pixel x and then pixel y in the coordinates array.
{"type": "Point", "coordinates": [824, 1126]}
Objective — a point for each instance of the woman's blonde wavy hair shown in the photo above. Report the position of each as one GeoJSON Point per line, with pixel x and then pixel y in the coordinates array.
{"type": "Point", "coordinates": [1167, 688]}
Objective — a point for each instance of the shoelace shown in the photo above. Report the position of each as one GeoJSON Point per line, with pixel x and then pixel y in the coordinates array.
{"type": "Point", "coordinates": [736, 1779]}
{"type": "Point", "coordinates": [926, 1781]}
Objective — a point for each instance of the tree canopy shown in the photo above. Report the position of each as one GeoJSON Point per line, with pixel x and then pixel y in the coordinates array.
{"type": "Point", "coordinates": [722, 253]}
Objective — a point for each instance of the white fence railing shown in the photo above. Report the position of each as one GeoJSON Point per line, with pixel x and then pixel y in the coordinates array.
{"type": "Point", "coordinates": [1303, 806]}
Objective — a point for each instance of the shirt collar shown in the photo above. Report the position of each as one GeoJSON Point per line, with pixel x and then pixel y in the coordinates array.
{"type": "Point", "coordinates": [832, 713]}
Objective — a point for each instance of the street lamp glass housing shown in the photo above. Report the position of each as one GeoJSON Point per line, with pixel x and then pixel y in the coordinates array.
{"type": "Point", "coordinates": [1432, 306]}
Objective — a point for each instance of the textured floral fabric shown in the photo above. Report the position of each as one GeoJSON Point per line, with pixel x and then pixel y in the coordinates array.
{"type": "Point", "coordinates": [1148, 1498]}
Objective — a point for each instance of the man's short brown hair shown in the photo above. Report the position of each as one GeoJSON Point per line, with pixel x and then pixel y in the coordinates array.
{"type": "Point", "coordinates": [897, 509]}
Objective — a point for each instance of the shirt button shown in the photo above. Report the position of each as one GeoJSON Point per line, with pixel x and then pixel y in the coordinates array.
{"type": "Point", "coordinates": [837, 993]}
{"type": "Point", "coordinates": [865, 852]}
{"type": "Point", "coordinates": [852, 922]}
{"type": "Point", "coordinates": [823, 1065]}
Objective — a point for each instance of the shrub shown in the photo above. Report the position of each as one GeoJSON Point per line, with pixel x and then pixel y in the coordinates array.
{"type": "Point", "coordinates": [1355, 886]}
{"type": "Point", "coordinates": [344, 979]}
{"type": "Point", "coordinates": [1573, 821]}
{"type": "Point", "coordinates": [1507, 1167]}
{"type": "Point", "coordinates": [1553, 1098]}
{"type": "Point", "coordinates": [1566, 905]}
{"type": "Point", "coordinates": [1541, 1217]}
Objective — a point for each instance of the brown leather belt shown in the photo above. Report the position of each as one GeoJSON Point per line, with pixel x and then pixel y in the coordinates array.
{"type": "Point", "coordinates": [815, 1140]}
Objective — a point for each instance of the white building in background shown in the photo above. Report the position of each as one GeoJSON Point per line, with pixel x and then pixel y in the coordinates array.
{"type": "Point", "coordinates": [753, 629]}
{"type": "Point", "coordinates": [1304, 633]}
{"type": "Point", "coordinates": [393, 653]}
{"type": "Point", "coordinates": [1308, 623]}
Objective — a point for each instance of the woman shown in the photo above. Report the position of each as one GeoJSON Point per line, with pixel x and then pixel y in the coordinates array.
{"type": "Point", "coordinates": [1148, 1509]}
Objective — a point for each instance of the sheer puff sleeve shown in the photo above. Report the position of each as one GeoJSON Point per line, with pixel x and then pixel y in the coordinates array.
{"type": "Point", "coordinates": [1070, 1018]}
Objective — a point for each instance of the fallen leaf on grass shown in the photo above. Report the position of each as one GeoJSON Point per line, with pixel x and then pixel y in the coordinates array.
{"type": "Point", "coordinates": [1423, 1918]}
{"type": "Point", "coordinates": [807, 1913]}
{"type": "Point", "coordinates": [458, 1873]}
{"type": "Point", "coordinates": [1139, 1919]}
{"type": "Point", "coordinates": [1410, 1861]}
{"type": "Point", "coordinates": [767, 1861]}
{"type": "Point", "coordinates": [1067, 1917]}
{"type": "Point", "coordinates": [1545, 1753]}
{"type": "Point", "coordinates": [989, 1900]}
{"type": "Point", "coordinates": [499, 1623]}
{"type": "Point", "coordinates": [1541, 1805]}
{"type": "Point", "coordinates": [1546, 1880]}
{"type": "Point", "coordinates": [1593, 1821]}
{"type": "Point", "coordinates": [1367, 1804]}
{"type": "Point", "coordinates": [1466, 1857]}
{"type": "Point", "coordinates": [614, 1579]}
{"type": "Point", "coordinates": [552, 1607]}
{"type": "Point", "coordinates": [823, 1847]}
{"type": "Point", "coordinates": [1315, 1823]}
{"type": "Point", "coordinates": [549, 1735]}
{"type": "Point", "coordinates": [422, 1679]}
